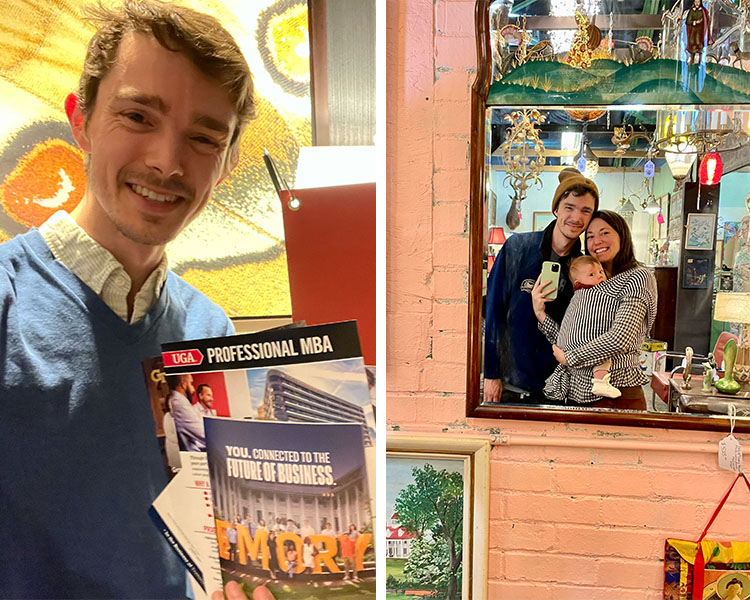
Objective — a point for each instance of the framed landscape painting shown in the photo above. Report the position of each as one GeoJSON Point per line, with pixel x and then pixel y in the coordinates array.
{"type": "Point", "coordinates": [437, 516]}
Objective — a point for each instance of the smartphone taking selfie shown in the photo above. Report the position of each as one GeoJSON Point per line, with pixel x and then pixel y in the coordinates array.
{"type": "Point", "coordinates": [551, 272]}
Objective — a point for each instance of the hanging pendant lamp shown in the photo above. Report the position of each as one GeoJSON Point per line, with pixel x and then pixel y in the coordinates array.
{"type": "Point", "coordinates": [711, 169]}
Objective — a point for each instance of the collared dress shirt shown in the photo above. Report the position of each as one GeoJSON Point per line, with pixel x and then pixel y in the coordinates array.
{"type": "Point", "coordinates": [98, 268]}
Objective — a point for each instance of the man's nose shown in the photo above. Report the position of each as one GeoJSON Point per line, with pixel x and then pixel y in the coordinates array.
{"type": "Point", "coordinates": [164, 154]}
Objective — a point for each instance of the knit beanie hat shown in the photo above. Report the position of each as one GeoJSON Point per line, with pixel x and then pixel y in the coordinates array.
{"type": "Point", "coordinates": [570, 178]}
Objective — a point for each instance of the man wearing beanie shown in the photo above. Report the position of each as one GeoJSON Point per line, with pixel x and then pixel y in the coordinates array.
{"type": "Point", "coordinates": [517, 357]}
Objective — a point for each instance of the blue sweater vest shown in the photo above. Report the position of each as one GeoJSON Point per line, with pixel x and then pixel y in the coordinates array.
{"type": "Point", "coordinates": [79, 455]}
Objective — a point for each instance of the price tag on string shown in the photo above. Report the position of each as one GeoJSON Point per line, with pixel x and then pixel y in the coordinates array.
{"type": "Point", "coordinates": [730, 450]}
{"type": "Point", "coordinates": [648, 170]}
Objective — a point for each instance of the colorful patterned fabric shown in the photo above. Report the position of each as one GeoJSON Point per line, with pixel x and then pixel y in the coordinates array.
{"type": "Point", "coordinates": [723, 562]}
{"type": "Point", "coordinates": [707, 569]}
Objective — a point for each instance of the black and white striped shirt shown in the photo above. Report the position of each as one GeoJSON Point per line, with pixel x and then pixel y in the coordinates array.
{"type": "Point", "coordinates": [609, 320]}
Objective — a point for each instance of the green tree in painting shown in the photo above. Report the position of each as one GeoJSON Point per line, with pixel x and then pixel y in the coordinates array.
{"type": "Point", "coordinates": [432, 509]}
{"type": "Point", "coordinates": [429, 564]}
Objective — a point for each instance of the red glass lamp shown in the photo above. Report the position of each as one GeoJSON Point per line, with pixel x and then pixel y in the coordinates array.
{"type": "Point", "coordinates": [711, 169]}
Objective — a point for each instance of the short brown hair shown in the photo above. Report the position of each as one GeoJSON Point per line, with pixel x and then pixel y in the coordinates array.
{"type": "Point", "coordinates": [200, 37]}
{"type": "Point", "coordinates": [580, 262]}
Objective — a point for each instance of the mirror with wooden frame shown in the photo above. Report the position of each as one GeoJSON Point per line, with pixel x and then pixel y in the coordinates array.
{"type": "Point", "coordinates": [632, 96]}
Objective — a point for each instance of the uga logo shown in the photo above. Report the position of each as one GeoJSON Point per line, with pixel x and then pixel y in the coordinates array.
{"type": "Point", "coordinates": [527, 285]}
{"type": "Point", "coordinates": [182, 358]}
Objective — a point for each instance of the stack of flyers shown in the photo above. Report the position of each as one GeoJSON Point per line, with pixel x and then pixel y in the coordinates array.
{"type": "Point", "coordinates": [311, 376]}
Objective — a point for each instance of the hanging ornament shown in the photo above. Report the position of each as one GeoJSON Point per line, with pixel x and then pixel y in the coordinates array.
{"type": "Point", "coordinates": [649, 169]}
{"type": "Point", "coordinates": [524, 157]}
{"type": "Point", "coordinates": [711, 169]}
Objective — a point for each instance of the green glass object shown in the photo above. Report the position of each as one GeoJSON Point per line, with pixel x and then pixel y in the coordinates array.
{"type": "Point", "coordinates": [727, 384]}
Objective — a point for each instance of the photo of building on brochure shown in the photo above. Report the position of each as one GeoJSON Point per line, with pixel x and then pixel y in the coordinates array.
{"type": "Point", "coordinates": [321, 391]}
{"type": "Point", "coordinates": [292, 507]}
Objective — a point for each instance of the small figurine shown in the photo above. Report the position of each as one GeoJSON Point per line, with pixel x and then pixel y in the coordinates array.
{"type": "Point", "coordinates": [686, 375]}
{"type": "Point", "coordinates": [642, 50]}
{"type": "Point", "coordinates": [712, 361]}
{"type": "Point", "coordinates": [698, 27]}
{"type": "Point", "coordinates": [728, 384]}
{"type": "Point", "coordinates": [738, 54]}
{"type": "Point", "coordinates": [708, 377]}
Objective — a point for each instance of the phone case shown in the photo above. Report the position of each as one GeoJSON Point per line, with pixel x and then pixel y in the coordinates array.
{"type": "Point", "coordinates": [549, 275]}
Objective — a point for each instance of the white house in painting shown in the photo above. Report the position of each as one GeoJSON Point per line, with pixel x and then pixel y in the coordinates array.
{"type": "Point", "coordinates": [398, 539]}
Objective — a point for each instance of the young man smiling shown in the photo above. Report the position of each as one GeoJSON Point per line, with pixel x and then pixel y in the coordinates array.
{"type": "Point", "coordinates": [517, 357]}
{"type": "Point", "coordinates": [164, 97]}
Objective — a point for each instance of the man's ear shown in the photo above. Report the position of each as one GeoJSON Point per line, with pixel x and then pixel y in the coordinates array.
{"type": "Point", "coordinates": [77, 122]}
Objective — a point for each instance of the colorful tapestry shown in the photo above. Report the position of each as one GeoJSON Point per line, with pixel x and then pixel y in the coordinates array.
{"type": "Point", "coordinates": [234, 251]}
{"type": "Point", "coordinates": [727, 565]}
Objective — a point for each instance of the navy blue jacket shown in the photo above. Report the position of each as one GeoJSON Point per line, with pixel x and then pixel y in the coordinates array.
{"type": "Point", "coordinates": [515, 350]}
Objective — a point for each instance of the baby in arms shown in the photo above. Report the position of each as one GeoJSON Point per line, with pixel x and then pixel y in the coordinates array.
{"type": "Point", "coordinates": [586, 272]}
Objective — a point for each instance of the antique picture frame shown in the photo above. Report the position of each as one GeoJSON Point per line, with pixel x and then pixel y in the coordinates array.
{"type": "Point", "coordinates": [696, 273]}
{"type": "Point", "coordinates": [700, 231]}
{"type": "Point", "coordinates": [489, 94]}
{"type": "Point", "coordinates": [542, 219]}
{"type": "Point", "coordinates": [471, 455]}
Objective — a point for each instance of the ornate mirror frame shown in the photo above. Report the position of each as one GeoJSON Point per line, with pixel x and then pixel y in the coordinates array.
{"type": "Point", "coordinates": [474, 406]}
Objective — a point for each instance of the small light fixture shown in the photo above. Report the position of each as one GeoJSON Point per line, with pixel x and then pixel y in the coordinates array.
{"type": "Point", "coordinates": [680, 160]}
{"type": "Point", "coordinates": [649, 204]}
{"type": "Point", "coordinates": [626, 207]}
{"type": "Point", "coordinates": [652, 207]}
{"type": "Point", "coordinates": [586, 161]}
{"type": "Point", "coordinates": [711, 169]}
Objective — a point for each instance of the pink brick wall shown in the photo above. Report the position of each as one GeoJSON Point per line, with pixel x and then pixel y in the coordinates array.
{"type": "Point", "coordinates": [565, 522]}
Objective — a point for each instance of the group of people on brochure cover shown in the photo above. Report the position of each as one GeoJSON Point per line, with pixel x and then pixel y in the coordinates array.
{"type": "Point", "coordinates": [579, 342]}
{"type": "Point", "coordinates": [313, 543]}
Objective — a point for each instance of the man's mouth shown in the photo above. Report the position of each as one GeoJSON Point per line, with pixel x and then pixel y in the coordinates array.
{"type": "Point", "coordinates": [151, 194]}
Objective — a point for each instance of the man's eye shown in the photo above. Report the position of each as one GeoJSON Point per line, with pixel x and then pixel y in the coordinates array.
{"type": "Point", "coordinates": [135, 117]}
{"type": "Point", "coordinates": [202, 139]}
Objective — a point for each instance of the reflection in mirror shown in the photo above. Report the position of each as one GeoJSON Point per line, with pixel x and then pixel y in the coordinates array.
{"type": "Point", "coordinates": [691, 238]}
{"type": "Point", "coordinates": [641, 112]}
